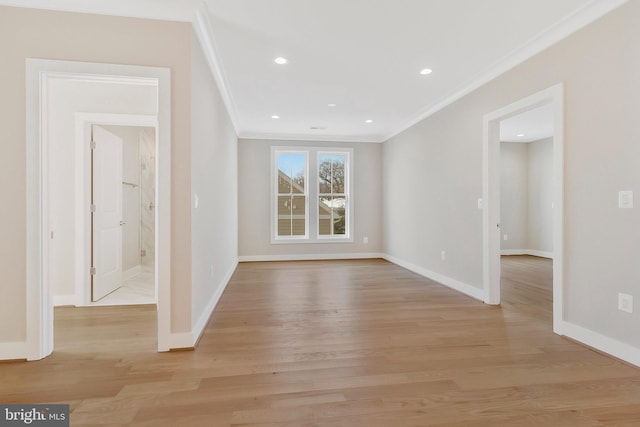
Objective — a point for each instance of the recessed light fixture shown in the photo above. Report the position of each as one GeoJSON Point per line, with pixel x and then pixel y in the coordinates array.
{"type": "Point", "coordinates": [280, 60]}
{"type": "Point", "coordinates": [275, 117]}
{"type": "Point", "coordinates": [520, 135]}
{"type": "Point", "coordinates": [368, 121]}
{"type": "Point", "coordinates": [331, 105]}
{"type": "Point", "coordinates": [426, 71]}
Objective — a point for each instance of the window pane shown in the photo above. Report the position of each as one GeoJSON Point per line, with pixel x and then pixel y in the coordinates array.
{"type": "Point", "coordinates": [331, 173]}
{"type": "Point", "coordinates": [291, 173]}
{"type": "Point", "coordinates": [338, 175]}
{"type": "Point", "coordinates": [298, 210]}
{"type": "Point", "coordinates": [284, 216]}
{"type": "Point", "coordinates": [331, 216]}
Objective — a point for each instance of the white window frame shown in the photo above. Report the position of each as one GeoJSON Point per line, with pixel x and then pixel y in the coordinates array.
{"type": "Point", "coordinates": [312, 195]}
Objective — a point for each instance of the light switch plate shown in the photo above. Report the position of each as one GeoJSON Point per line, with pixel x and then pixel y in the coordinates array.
{"type": "Point", "coordinates": [625, 302]}
{"type": "Point", "coordinates": [625, 199]}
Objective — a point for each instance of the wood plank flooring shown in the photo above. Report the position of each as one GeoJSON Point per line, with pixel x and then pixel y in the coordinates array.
{"type": "Point", "coordinates": [335, 343]}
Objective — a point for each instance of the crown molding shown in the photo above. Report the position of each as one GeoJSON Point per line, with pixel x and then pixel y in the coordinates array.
{"type": "Point", "coordinates": [203, 29]}
{"type": "Point", "coordinates": [545, 39]}
{"type": "Point", "coordinates": [305, 137]}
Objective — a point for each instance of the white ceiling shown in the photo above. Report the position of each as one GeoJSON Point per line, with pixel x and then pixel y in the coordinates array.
{"type": "Point", "coordinates": [529, 126]}
{"type": "Point", "coordinates": [363, 55]}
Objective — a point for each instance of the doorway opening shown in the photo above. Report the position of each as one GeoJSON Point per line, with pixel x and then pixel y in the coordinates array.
{"type": "Point", "coordinates": [526, 212]}
{"type": "Point", "coordinates": [508, 208]}
{"type": "Point", "coordinates": [55, 118]}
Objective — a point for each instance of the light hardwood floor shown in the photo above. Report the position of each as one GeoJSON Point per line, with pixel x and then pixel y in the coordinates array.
{"type": "Point", "coordinates": [335, 343]}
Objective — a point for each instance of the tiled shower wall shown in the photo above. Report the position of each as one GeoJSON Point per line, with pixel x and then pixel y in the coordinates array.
{"type": "Point", "coordinates": [147, 195]}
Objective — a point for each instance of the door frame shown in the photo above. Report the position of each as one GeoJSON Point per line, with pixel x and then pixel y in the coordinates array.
{"type": "Point", "coordinates": [82, 245]}
{"type": "Point", "coordinates": [491, 196]}
{"type": "Point", "coordinates": [39, 301]}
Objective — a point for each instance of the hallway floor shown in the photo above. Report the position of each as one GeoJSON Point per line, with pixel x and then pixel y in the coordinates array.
{"type": "Point", "coordinates": [139, 289]}
{"type": "Point", "coordinates": [333, 343]}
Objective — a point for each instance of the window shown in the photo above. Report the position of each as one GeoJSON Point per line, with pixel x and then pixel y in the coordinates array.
{"type": "Point", "coordinates": [292, 221]}
{"type": "Point", "coordinates": [311, 200]}
{"type": "Point", "coordinates": [332, 194]}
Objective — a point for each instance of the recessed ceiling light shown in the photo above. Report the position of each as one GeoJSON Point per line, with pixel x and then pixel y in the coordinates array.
{"type": "Point", "coordinates": [331, 105]}
{"type": "Point", "coordinates": [275, 117]}
{"type": "Point", "coordinates": [280, 60]}
{"type": "Point", "coordinates": [368, 121]}
{"type": "Point", "coordinates": [426, 71]}
{"type": "Point", "coordinates": [520, 135]}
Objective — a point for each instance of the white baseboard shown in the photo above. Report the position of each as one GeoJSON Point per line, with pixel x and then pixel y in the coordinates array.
{"type": "Point", "coordinates": [465, 288]}
{"type": "Point", "coordinates": [60, 300]}
{"type": "Point", "coordinates": [132, 272]}
{"type": "Point", "coordinates": [600, 342]}
{"type": "Point", "coordinates": [201, 324]}
{"type": "Point", "coordinates": [13, 350]}
{"type": "Point", "coordinates": [533, 252]}
{"type": "Point", "coordinates": [190, 339]}
{"type": "Point", "coordinates": [310, 257]}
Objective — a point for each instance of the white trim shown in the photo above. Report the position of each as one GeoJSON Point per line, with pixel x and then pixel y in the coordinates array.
{"type": "Point", "coordinates": [491, 195]}
{"type": "Point", "coordinates": [579, 19]}
{"type": "Point", "coordinates": [39, 306]}
{"type": "Point", "coordinates": [310, 257]}
{"type": "Point", "coordinates": [64, 300]}
{"type": "Point", "coordinates": [201, 324]}
{"type": "Point", "coordinates": [204, 32]}
{"type": "Point", "coordinates": [449, 282]}
{"type": "Point", "coordinates": [601, 342]}
{"type": "Point", "coordinates": [374, 139]}
{"type": "Point", "coordinates": [180, 340]}
{"type": "Point", "coordinates": [13, 350]}
{"type": "Point", "coordinates": [532, 252]}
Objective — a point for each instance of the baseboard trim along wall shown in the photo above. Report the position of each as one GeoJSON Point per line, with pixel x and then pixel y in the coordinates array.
{"type": "Point", "coordinates": [13, 350]}
{"type": "Point", "coordinates": [533, 252]}
{"type": "Point", "coordinates": [309, 257]}
{"type": "Point", "coordinates": [610, 346]}
{"type": "Point", "coordinates": [201, 324]}
{"type": "Point", "coordinates": [132, 272]}
{"type": "Point", "coordinates": [189, 340]}
{"type": "Point", "coordinates": [60, 300]}
{"type": "Point", "coordinates": [454, 284]}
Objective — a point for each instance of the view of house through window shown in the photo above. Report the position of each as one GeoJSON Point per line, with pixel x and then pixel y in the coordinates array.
{"type": "Point", "coordinates": [292, 194]}
{"type": "Point", "coordinates": [311, 195]}
{"type": "Point", "coordinates": [332, 198]}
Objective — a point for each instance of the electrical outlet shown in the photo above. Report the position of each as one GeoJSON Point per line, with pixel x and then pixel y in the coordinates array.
{"type": "Point", "coordinates": [365, 240]}
{"type": "Point", "coordinates": [506, 237]}
{"type": "Point", "coordinates": [443, 255]}
{"type": "Point", "coordinates": [480, 204]}
{"type": "Point", "coordinates": [625, 302]}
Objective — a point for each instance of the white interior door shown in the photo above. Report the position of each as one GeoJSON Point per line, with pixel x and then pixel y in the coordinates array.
{"type": "Point", "coordinates": [107, 217]}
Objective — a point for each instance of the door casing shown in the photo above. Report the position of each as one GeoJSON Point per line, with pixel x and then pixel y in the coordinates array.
{"type": "Point", "coordinates": [39, 302]}
{"type": "Point", "coordinates": [491, 196]}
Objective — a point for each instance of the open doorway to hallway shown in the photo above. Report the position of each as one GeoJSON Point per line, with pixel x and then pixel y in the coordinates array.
{"type": "Point", "coordinates": [526, 212]}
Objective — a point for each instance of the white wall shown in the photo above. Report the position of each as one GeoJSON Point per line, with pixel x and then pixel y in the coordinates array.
{"type": "Point", "coordinates": [254, 171]}
{"type": "Point", "coordinates": [67, 98]}
{"type": "Point", "coordinates": [540, 212]}
{"type": "Point", "coordinates": [214, 177]}
{"type": "Point", "coordinates": [433, 176]}
{"type": "Point", "coordinates": [526, 194]}
{"type": "Point", "coordinates": [514, 195]}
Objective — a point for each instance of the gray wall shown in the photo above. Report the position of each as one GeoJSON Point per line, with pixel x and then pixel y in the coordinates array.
{"type": "Point", "coordinates": [214, 177]}
{"type": "Point", "coordinates": [433, 173]}
{"type": "Point", "coordinates": [254, 172]}
{"type": "Point", "coordinates": [526, 194]}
